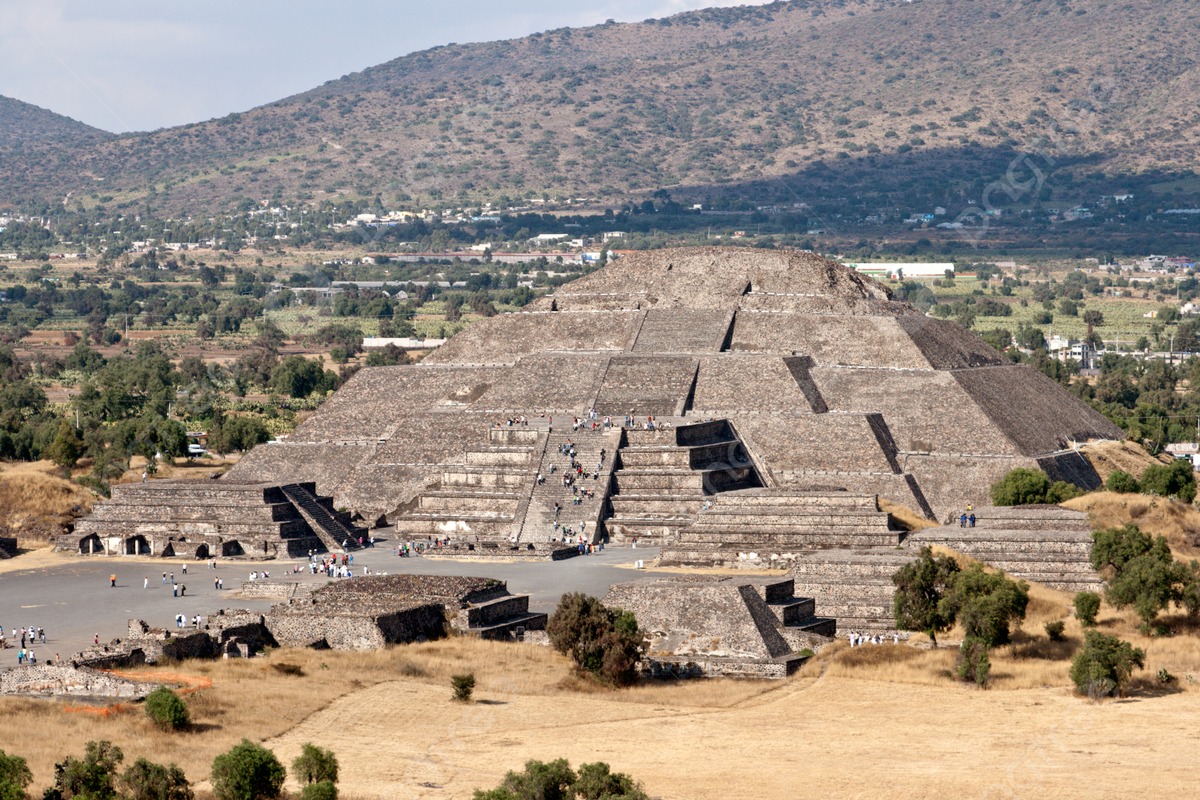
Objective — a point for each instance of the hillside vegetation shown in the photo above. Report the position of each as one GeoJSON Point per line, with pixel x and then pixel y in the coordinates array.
{"type": "Point", "coordinates": [901, 96]}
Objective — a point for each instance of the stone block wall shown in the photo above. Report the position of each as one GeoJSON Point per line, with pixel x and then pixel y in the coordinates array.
{"type": "Point", "coordinates": [56, 681]}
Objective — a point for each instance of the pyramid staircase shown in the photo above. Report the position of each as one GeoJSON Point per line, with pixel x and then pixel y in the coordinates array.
{"type": "Point", "coordinates": [500, 618]}
{"type": "Point", "coordinates": [332, 527]}
{"type": "Point", "coordinates": [665, 477]}
{"type": "Point", "coordinates": [539, 517]}
{"type": "Point", "coordinates": [853, 586]}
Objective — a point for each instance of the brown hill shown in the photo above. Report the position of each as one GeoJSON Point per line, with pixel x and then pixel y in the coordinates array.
{"type": "Point", "coordinates": [23, 125]}
{"type": "Point", "coordinates": [940, 90]}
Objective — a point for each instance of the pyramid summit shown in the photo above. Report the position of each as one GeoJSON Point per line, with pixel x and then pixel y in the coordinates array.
{"type": "Point", "coordinates": [769, 372]}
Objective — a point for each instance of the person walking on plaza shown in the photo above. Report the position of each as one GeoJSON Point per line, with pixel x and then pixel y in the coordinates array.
{"type": "Point", "coordinates": [112, 581]}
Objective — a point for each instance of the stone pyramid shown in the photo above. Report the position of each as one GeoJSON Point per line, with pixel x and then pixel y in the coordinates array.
{"type": "Point", "coordinates": [774, 371]}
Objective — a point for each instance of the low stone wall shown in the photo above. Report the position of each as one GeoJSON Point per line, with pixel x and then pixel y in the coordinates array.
{"type": "Point", "coordinates": [307, 623]}
{"type": "Point", "coordinates": [284, 590]}
{"type": "Point", "coordinates": [704, 667]}
{"type": "Point", "coordinates": [50, 681]}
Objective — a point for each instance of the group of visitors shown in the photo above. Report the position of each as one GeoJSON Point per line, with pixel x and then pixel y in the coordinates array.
{"type": "Point", "coordinates": [859, 639]}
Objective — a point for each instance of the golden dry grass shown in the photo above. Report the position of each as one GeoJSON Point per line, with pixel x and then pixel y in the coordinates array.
{"type": "Point", "coordinates": [1127, 456]}
{"type": "Point", "coordinates": [35, 501]}
{"type": "Point", "coordinates": [908, 519]}
{"type": "Point", "coordinates": [1178, 522]}
{"type": "Point", "coordinates": [390, 718]}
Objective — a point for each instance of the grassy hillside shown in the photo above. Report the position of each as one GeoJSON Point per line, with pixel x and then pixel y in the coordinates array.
{"type": "Point", "coordinates": [905, 96]}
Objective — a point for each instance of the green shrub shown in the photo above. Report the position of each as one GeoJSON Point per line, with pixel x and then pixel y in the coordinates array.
{"type": "Point", "coordinates": [1061, 491]}
{"type": "Point", "coordinates": [247, 772]}
{"type": "Point", "coordinates": [1171, 480]}
{"type": "Point", "coordinates": [321, 790]}
{"type": "Point", "coordinates": [1122, 483]}
{"type": "Point", "coordinates": [557, 781]}
{"type": "Point", "coordinates": [605, 642]}
{"type": "Point", "coordinates": [1145, 575]}
{"type": "Point", "coordinates": [464, 686]}
{"type": "Point", "coordinates": [14, 777]}
{"type": "Point", "coordinates": [166, 710]}
{"type": "Point", "coordinates": [315, 765]}
{"type": "Point", "coordinates": [1055, 630]}
{"type": "Point", "coordinates": [973, 662]}
{"type": "Point", "coordinates": [1104, 664]}
{"type": "Point", "coordinates": [1087, 606]}
{"type": "Point", "coordinates": [1021, 486]}
{"type": "Point", "coordinates": [145, 780]}
{"type": "Point", "coordinates": [91, 777]}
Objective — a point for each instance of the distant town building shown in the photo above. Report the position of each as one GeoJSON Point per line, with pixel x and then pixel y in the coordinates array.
{"type": "Point", "coordinates": [898, 271]}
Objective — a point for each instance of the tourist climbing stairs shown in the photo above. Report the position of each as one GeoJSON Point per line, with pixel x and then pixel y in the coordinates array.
{"type": "Point", "coordinates": [335, 532]}
{"type": "Point", "coordinates": [584, 518]}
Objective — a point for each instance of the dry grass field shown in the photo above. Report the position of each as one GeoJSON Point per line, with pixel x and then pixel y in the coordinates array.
{"type": "Point", "coordinates": [35, 501]}
{"type": "Point", "coordinates": [869, 721]}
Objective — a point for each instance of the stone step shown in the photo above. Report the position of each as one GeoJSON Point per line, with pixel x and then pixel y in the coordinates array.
{"type": "Point", "coordinates": [651, 457]}
{"type": "Point", "coordinates": [499, 458]}
{"type": "Point", "coordinates": [501, 609]}
{"type": "Point", "coordinates": [651, 506]}
{"type": "Point", "coordinates": [514, 436]}
{"type": "Point", "coordinates": [657, 530]}
{"type": "Point", "coordinates": [670, 481]}
{"type": "Point", "coordinates": [423, 525]}
{"type": "Point", "coordinates": [751, 498]}
{"type": "Point", "coordinates": [204, 493]}
{"type": "Point", "coordinates": [274, 512]}
{"type": "Point", "coordinates": [794, 611]}
{"type": "Point", "coordinates": [507, 629]}
{"type": "Point", "coordinates": [481, 504]}
{"type": "Point", "coordinates": [485, 477]}
{"type": "Point", "coordinates": [790, 540]}
{"type": "Point", "coordinates": [792, 518]}
{"type": "Point", "coordinates": [819, 626]}
{"type": "Point", "coordinates": [236, 530]}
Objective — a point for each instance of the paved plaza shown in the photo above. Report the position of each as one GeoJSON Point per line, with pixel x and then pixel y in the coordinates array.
{"type": "Point", "coordinates": [73, 601]}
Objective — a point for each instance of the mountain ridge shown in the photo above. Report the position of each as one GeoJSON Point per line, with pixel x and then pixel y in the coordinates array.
{"type": "Point", "coordinates": [702, 102]}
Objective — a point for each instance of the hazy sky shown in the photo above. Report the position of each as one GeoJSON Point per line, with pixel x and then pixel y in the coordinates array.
{"type": "Point", "coordinates": [128, 65]}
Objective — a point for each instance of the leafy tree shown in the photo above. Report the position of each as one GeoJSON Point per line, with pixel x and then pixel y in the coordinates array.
{"type": "Point", "coordinates": [167, 710]}
{"type": "Point", "coordinates": [1021, 486]}
{"type": "Point", "coordinates": [603, 641]}
{"type": "Point", "coordinates": [145, 780]}
{"type": "Point", "coordinates": [1145, 575]}
{"type": "Point", "coordinates": [237, 434]}
{"type": "Point", "coordinates": [1055, 629]}
{"type": "Point", "coordinates": [1104, 665]}
{"type": "Point", "coordinates": [247, 772]}
{"type": "Point", "coordinates": [387, 356]}
{"type": "Point", "coordinates": [89, 778]}
{"type": "Point", "coordinates": [985, 604]}
{"type": "Point", "coordinates": [1087, 606]}
{"type": "Point", "coordinates": [299, 377]}
{"type": "Point", "coordinates": [539, 781]}
{"type": "Point", "coordinates": [14, 777]}
{"type": "Point", "coordinates": [597, 782]}
{"type": "Point", "coordinates": [1176, 479]}
{"type": "Point", "coordinates": [66, 447]}
{"type": "Point", "coordinates": [920, 588]}
{"type": "Point", "coordinates": [315, 765]}
{"type": "Point", "coordinates": [1061, 491]}
{"type": "Point", "coordinates": [1122, 483]}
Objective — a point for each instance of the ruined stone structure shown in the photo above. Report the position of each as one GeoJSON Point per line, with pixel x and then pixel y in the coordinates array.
{"type": "Point", "coordinates": [49, 680]}
{"type": "Point", "coordinates": [205, 519]}
{"type": "Point", "coordinates": [722, 626]}
{"type": "Point", "coordinates": [814, 380]}
{"type": "Point", "coordinates": [372, 611]}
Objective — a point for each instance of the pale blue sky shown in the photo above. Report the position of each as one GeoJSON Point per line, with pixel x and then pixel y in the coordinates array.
{"type": "Point", "coordinates": [126, 65]}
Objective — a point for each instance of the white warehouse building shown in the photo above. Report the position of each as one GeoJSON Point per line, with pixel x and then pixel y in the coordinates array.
{"type": "Point", "coordinates": [897, 271]}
